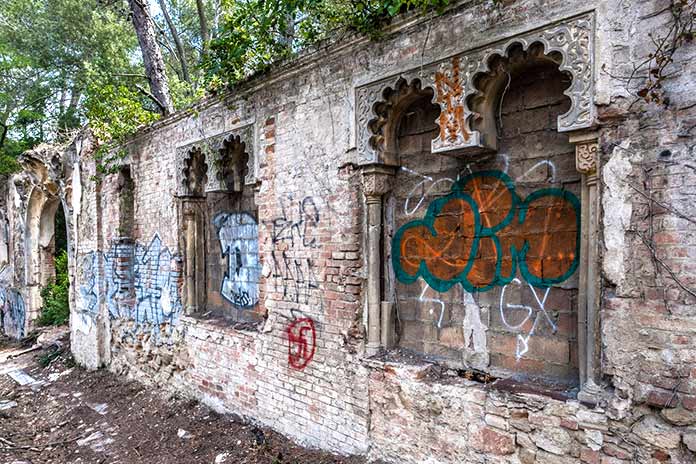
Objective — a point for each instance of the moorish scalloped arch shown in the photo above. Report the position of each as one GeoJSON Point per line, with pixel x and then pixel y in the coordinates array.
{"type": "Point", "coordinates": [389, 111]}
{"type": "Point", "coordinates": [232, 164]}
{"type": "Point", "coordinates": [569, 42]}
{"type": "Point", "coordinates": [212, 149]}
{"type": "Point", "coordinates": [489, 87]}
{"type": "Point", "coordinates": [195, 172]}
{"type": "Point", "coordinates": [459, 90]}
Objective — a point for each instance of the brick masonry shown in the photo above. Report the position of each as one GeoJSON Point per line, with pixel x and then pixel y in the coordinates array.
{"type": "Point", "coordinates": [296, 360]}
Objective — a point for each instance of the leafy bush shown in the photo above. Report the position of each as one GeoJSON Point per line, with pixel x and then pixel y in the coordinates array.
{"type": "Point", "coordinates": [8, 164]}
{"type": "Point", "coordinates": [56, 306]}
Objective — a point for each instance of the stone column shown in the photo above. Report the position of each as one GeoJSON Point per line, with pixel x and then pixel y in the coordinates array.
{"type": "Point", "coordinates": [194, 264]}
{"type": "Point", "coordinates": [376, 181]}
{"type": "Point", "coordinates": [587, 163]}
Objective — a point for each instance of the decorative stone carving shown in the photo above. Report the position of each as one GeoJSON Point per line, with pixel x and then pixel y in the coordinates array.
{"type": "Point", "coordinates": [453, 80]}
{"type": "Point", "coordinates": [232, 164]}
{"type": "Point", "coordinates": [589, 290]}
{"type": "Point", "coordinates": [385, 126]}
{"type": "Point", "coordinates": [586, 157]}
{"type": "Point", "coordinates": [377, 180]}
{"type": "Point", "coordinates": [195, 172]}
{"type": "Point", "coordinates": [454, 114]}
{"type": "Point", "coordinates": [211, 149]}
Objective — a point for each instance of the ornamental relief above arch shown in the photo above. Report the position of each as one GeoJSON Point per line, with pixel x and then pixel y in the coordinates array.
{"type": "Point", "coordinates": [454, 83]}
{"type": "Point", "coordinates": [212, 151]}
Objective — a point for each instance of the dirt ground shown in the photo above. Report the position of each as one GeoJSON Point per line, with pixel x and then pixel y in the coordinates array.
{"type": "Point", "coordinates": [70, 415]}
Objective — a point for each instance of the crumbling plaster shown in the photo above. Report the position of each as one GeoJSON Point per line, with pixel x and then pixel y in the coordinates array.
{"type": "Point", "coordinates": [304, 370]}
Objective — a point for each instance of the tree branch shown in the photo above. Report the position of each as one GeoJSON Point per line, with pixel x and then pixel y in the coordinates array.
{"type": "Point", "coordinates": [149, 95]}
{"type": "Point", "coordinates": [660, 204]}
{"type": "Point", "coordinates": [177, 41]}
{"type": "Point", "coordinates": [664, 266]}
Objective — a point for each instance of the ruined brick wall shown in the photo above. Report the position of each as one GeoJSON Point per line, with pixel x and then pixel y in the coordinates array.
{"type": "Point", "coordinates": [301, 371]}
{"type": "Point", "coordinates": [295, 359]}
{"type": "Point", "coordinates": [290, 372]}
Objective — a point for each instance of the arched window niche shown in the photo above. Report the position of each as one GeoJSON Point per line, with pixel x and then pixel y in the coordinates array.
{"type": "Point", "coordinates": [479, 178]}
{"type": "Point", "coordinates": [217, 196]}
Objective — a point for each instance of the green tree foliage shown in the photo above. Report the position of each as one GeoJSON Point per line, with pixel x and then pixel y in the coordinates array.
{"type": "Point", "coordinates": [256, 33]}
{"type": "Point", "coordinates": [51, 52]}
{"type": "Point", "coordinates": [56, 308]}
{"type": "Point", "coordinates": [114, 112]}
{"type": "Point", "coordinates": [67, 63]}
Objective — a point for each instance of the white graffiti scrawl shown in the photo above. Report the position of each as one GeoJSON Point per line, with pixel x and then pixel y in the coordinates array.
{"type": "Point", "coordinates": [531, 314]}
{"type": "Point", "coordinates": [238, 234]}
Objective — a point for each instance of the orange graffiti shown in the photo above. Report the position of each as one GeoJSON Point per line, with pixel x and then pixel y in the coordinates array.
{"type": "Point", "coordinates": [481, 233]}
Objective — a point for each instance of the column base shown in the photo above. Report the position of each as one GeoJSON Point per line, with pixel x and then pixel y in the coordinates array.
{"type": "Point", "coordinates": [373, 349]}
{"type": "Point", "coordinates": [590, 393]}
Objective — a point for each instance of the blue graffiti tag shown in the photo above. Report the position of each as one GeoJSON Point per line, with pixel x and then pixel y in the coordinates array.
{"type": "Point", "coordinates": [141, 283]}
{"type": "Point", "coordinates": [12, 312]}
{"type": "Point", "coordinates": [239, 242]}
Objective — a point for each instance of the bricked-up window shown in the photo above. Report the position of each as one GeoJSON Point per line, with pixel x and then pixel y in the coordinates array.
{"type": "Point", "coordinates": [484, 249]}
{"type": "Point", "coordinates": [233, 267]}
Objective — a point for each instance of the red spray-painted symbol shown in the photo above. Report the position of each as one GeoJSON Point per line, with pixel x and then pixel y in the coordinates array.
{"type": "Point", "coordinates": [301, 342]}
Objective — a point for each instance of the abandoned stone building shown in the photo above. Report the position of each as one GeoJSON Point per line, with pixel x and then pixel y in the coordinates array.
{"type": "Point", "coordinates": [465, 242]}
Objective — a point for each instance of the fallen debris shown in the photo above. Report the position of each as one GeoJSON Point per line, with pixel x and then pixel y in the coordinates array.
{"type": "Point", "coordinates": [183, 434]}
{"type": "Point", "coordinates": [28, 350]}
{"type": "Point", "coordinates": [95, 417]}
{"type": "Point", "coordinates": [100, 408]}
{"type": "Point", "coordinates": [21, 377]}
{"type": "Point", "coordinates": [7, 404]}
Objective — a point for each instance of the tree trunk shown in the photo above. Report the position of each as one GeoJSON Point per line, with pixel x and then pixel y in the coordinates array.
{"type": "Point", "coordinates": [75, 95]}
{"type": "Point", "coordinates": [3, 133]}
{"type": "Point", "coordinates": [177, 41]}
{"type": "Point", "coordinates": [152, 55]}
{"type": "Point", "coordinates": [205, 35]}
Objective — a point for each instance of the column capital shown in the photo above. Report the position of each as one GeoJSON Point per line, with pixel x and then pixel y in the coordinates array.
{"type": "Point", "coordinates": [586, 151]}
{"type": "Point", "coordinates": [191, 205]}
{"type": "Point", "coordinates": [377, 179]}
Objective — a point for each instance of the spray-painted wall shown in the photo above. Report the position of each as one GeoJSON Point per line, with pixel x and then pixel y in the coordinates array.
{"type": "Point", "coordinates": [484, 250]}
{"type": "Point", "coordinates": [479, 254]}
{"type": "Point", "coordinates": [12, 310]}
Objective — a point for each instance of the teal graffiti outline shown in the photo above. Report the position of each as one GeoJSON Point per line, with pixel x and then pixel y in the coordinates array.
{"type": "Point", "coordinates": [518, 257]}
{"type": "Point", "coordinates": [522, 255]}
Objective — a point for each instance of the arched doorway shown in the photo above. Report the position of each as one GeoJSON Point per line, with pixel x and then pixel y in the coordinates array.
{"type": "Point", "coordinates": [46, 246]}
